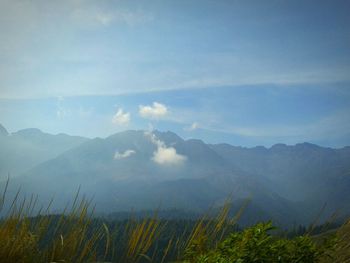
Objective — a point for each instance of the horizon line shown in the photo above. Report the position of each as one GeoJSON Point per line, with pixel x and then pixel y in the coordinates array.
{"type": "Point", "coordinates": [185, 139]}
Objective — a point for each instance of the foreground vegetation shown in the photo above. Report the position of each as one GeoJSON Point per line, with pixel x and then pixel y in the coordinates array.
{"type": "Point", "coordinates": [75, 236]}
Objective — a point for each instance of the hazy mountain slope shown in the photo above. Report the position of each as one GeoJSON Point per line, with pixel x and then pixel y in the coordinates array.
{"type": "Point", "coordinates": [202, 180]}
{"type": "Point", "coordinates": [27, 148]}
{"type": "Point", "coordinates": [95, 159]}
{"type": "Point", "coordinates": [122, 172]}
{"type": "Point", "coordinates": [304, 172]}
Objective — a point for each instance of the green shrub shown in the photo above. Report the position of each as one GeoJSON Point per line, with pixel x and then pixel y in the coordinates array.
{"type": "Point", "coordinates": [256, 244]}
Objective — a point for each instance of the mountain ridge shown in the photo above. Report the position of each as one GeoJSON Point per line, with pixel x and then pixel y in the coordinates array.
{"type": "Point", "coordinates": [121, 171]}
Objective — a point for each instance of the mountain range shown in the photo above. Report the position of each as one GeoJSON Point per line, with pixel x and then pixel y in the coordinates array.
{"type": "Point", "coordinates": [145, 170]}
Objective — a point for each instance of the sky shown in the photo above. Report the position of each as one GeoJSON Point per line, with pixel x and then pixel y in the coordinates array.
{"type": "Point", "coordinates": [244, 72]}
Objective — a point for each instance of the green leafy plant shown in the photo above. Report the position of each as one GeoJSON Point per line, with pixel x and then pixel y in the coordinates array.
{"type": "Point", "coordinates": [256, 244]}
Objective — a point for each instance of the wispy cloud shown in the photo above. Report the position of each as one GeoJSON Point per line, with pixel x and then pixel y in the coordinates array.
{"type": "Point", "coordinates": [132, 18]}
{"type": "Point", "coordinates": [87, 16]}
{"type": "Point", "coordinates": [75, 47]}
{"type": "Point", "coordinates": [105, 19]}
{"type": "Point", "coordinates": [121, 117]}
{"type": "Point", "coordinates": [124, 154]}
{"type": "Point", "coordinates": [61, 112]}
{"type": "Point", "coordinates": [192, 127]}
{"type": "Point", "coordinates": [156, 111]}
{"type": "Point", "coordinates": [332, 126]}
{"type": "Point", "coordinates": [165, 155]}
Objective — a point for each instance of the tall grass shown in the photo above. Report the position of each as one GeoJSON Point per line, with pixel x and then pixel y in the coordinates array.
{"type": "Point", "coordinates": [47, 238]}
{"type": "Point", "coordinates": [72, 236]}
{"type": "Point", "coordinates": [75, 236]}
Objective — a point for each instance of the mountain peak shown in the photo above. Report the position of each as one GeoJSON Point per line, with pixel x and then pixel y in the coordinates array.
{"type": "Point", "coordinates": [307, 145]}
{"type": "Point", "coordinates": [127, 133]}
{"type": "Point", "coordinates": [28, 132]}
{"type": "Point", "coordinates": [279, 146]}
{"type": "Point", "coordinates": [167, 136]}
{"type": "Point", "coordinates": [3, 131]}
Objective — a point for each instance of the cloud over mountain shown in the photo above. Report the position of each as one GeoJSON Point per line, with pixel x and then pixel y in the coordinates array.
{"type": "Point", "coordinates": [156, 111]}
{"type": "Point", "coordinates": [124, 154]}
{"type": "Point", "coordinates": [168, 156]}
{"type": "Point", "coordinates": [142, 168]}
{"type": "Point", "coordinates": [121, 117]}
{"type": "Point", "coordinates": [165, 155]}
{"type": "Point", "coordinates": [192, 127]}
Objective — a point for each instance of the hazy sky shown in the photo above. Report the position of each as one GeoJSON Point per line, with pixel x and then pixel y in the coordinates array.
{"type": "Point", "coordinates": [244, 72]}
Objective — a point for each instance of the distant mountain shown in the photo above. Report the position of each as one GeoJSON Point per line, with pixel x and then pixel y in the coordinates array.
{"type": "Point", "coordinates": [304, 173]}
{"type": "Point", "coordinates": [27, 148]}
{"type": "Point", "coordinates": [143, 171]}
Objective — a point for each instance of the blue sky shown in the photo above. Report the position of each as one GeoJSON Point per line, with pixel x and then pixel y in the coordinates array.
{"type": "Point", "coordinates": [244, 72]}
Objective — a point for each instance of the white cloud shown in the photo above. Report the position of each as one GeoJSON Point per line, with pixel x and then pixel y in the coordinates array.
{"type": "Point", "coordinates": [194, 126]}
{"type": "Point", "coordinates": [132, 18]}
{"type": "Point", "coordinates": [92, 15]}
{"type": "Point", "coordinates": [165, 155]}
{"type": "Point", "coordinates": [123, 155]}
{"type": "Point", "coordinates": [168, 156]}
{"type": "Point", "coordinates": [104, 18]}
{"type": "Point", "coordinates": [61, 112]}
{"type": "Point", "coordinates": [335, 125]}
{"type": "Point", "coordinates": [156, 111]}
{"type": "Point", "coordinates": [121, 118]}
